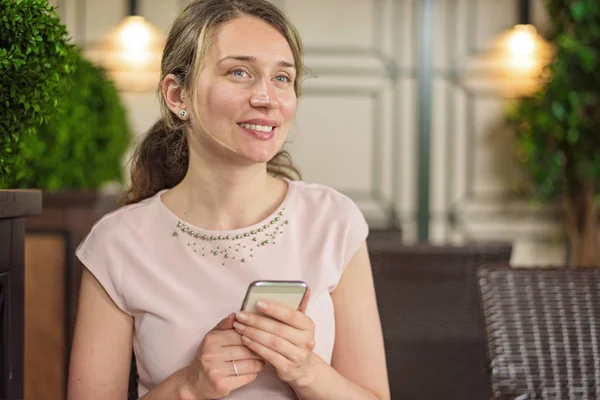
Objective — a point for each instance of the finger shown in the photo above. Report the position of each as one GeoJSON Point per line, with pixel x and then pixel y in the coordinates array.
{"type": "Point", "coordinates": [278, 344]}
{"type": "Point", "coordinates": [225, 323]}
{"type": "Point", "coordinates": [224, 338]}
{"type": "Point", "coordinates": [234, 382]}
{"type": "Point", "coordinates": [244, 367]}
{"type": "Point", "coordinates": [276, 359]}
{"type": "Point", "coordinates": [281, 329]}
{"type": "Point", "coordinates": [284, 314]}
{"type": "Point", "coordinates": [238, 353]}
{"type": "Point", "coordinates": [304, 303]}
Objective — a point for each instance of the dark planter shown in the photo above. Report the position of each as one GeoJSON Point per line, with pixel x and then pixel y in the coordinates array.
{"type": "Point", "coordinates": [15, 206]}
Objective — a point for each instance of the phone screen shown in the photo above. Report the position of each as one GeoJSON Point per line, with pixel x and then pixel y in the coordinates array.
{"type": "Point", "coordinates": [288, 293]}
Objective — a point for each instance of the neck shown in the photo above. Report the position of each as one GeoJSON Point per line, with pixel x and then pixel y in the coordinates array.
{"type": "Point", "coordinates": [216, 195]}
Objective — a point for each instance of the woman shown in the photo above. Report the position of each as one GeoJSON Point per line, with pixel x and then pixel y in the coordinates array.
{"type": "Point", "coordinates": [213, 206]}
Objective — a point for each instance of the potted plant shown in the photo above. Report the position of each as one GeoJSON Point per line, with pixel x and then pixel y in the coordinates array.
{"type": "Point", "coordinates": [35, 68]}
{"type": "Point", "coordinates": [558, 128]}
{"type": "Point", "coordinates": [82, 148]}
{"type": "Point", "coordinates": [36, 62]}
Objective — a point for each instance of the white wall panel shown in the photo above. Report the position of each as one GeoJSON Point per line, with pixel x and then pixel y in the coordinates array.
{"type": "Point", "coordinates": [334, 143]}
{"type": "Point", "coordinates": [334, 23]}
{"type": "Point", "coordinates": [100, 16]}
{"type": "Point", "coordinates": [161, 13]}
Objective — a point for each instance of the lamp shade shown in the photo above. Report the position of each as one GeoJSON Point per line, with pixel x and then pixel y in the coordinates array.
{"type": "Point", "coordinates": [523, 52]}
{"type": "Point", "coordinates": [512, 64]}
{"type": "Point", "coordinates": [131, 52]}
{"type": "Point", "coordinates": [519, 57]}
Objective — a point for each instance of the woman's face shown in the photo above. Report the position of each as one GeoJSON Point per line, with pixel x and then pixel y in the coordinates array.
{"type": "Point", "coordinates": [245, 92]}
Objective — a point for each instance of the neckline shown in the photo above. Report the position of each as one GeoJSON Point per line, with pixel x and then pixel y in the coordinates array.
{"type": "Point", "coordinates": [176, 220]}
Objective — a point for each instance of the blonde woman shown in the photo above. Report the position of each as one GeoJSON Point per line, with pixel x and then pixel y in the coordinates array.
{"type": "Point", "coordinates": [213, 206]}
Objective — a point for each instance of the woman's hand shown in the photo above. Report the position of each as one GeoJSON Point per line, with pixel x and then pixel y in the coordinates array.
{"type": "Point", "coordinates": [283, 337]}
{"type": "Point", "coordinates": [223, 363]}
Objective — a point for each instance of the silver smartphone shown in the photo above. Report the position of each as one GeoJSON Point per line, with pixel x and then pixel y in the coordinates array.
{"type": "Point", "coordinates": [288, 293]}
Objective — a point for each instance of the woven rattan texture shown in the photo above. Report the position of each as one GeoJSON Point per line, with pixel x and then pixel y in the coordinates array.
{"type": "Point", "coordinates": [543, 328]}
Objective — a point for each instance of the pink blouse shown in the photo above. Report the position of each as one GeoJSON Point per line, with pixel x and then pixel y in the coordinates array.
{"type": "Point", "coordinates": [177, 281]}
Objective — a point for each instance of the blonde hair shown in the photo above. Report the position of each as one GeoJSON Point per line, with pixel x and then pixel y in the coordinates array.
{"type": "Point", "coordinates": [161, 160]}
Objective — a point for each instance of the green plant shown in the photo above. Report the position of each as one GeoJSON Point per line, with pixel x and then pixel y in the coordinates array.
{"type": "Point", "coordinates": [36, 62]}
{"type": "Point", "coordinates": [83, 147]}
{"type": "Point", "coordinates": [558, 128]}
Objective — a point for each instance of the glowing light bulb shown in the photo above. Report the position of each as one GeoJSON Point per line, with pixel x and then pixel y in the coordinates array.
{"type": "Point", "coordinates": [135, 34]}
{"type": "Point", "coordinates": [134, 38]}
{"type": "Point", "coordinates": [522, 43]}
{"type": "Point", "coordinates": [131, 52]}
{"type": "Point", "coordinates": [522, 52]}
{"type": "Point", "coordinates": [511, 64]}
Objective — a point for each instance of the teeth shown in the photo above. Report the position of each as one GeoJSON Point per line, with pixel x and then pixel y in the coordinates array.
{"type": "Point", "coordinates": [260, 128]}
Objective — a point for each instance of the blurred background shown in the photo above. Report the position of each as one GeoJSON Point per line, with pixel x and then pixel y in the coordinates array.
{"type": "Point", "coordinates": [427, 149]}
{"type": "Point", "coordinates": [454, 125]}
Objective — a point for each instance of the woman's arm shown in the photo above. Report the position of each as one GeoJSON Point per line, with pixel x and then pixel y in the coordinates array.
{"type": "Point", "coordinates": [101, 355]}
{"type": "Point", "coordinates": [359, 366]}
{"type": "Point", "coordinates": [101, 352]}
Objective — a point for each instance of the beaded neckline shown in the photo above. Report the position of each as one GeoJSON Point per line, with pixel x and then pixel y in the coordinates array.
{"type": "Point", "coordinates": [240, 245]}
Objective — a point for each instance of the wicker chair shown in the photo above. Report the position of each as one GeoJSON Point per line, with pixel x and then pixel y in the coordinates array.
{"type": "Point", "coordinates": [543, 329]}
{"type": "Point", "coordinates": [432, 324]}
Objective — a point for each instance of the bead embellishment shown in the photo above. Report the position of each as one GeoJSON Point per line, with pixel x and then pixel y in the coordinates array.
{"type": "Point", "coordinates": [244, 243]}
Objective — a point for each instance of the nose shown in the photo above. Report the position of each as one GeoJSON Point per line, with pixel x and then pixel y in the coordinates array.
{"type": "Point", "coordinates": [264, 96]}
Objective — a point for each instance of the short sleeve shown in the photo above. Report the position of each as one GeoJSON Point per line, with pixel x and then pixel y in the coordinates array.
{"type": "Point", "coordinates": [354, 231]}
{"type": "Point", "coordinates": [99, 253]}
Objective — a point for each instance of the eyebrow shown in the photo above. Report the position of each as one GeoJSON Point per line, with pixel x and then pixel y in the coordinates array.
{"type": "Point", "coordinates": [284, 64]}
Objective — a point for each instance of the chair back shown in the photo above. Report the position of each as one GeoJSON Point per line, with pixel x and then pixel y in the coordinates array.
{"type": "Point", "coordinates": [432, 324]}
{"type": "Point", "coordinates": [543, 330]}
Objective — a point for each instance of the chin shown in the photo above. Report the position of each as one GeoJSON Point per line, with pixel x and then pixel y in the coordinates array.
{"type": "Point", "coordinates": [259, 159]}
{"type": "Point", "coordinates": [259, 155]}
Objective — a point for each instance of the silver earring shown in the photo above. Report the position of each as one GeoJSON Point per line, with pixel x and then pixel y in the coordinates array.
{"type": "Point", "coordinates": [183, 113]}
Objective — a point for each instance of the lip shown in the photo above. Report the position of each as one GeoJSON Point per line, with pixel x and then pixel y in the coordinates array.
{"type": "Point", "coordinates": [264, 136]}
{"type": "Point", "coordinates": [261, 121]}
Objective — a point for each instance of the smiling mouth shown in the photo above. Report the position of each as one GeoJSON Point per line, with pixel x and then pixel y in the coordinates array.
{"type": "Point", "coordinates": [259, 128]}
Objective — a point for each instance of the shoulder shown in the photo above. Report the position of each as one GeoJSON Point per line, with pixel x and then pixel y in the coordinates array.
{"type": "Point", "coordinates": [111, 246]}
{"type": "Point", "coordinates": [327, 215]}
{"type": "Point", "coordinates": [328, 210]}
{"type": "Point", "coordinates": [319, 198]}
{"type": "Point", "coordinates": [127, 219]}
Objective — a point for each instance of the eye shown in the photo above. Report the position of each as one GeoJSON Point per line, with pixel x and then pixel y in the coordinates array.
{"type": "Point", "coordinates": [239, 73]}
{"type": "Point", "coordinates": [283, 78]}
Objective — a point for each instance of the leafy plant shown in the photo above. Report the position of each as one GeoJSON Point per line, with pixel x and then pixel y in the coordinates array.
{"type": "Point", "coordinates": [558, 128]}
{"type": "Point", "coordinates": [83, 147]}
{"type": "Point", "coordinates": [36, 63]}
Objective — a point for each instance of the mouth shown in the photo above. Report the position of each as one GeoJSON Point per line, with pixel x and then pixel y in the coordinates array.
{"type": "Point", "coordinates": [258, 128]}
{"type": "Point", "coordinates": [260, 132]}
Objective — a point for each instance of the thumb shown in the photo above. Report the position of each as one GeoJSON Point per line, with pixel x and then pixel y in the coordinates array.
{"type": "Point", "coordinates": [304, 303]}
{"type": "Point", "coordinates": [225, 323]}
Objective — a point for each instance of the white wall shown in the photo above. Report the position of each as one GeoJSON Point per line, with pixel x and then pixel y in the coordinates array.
{"type": "Point", "coordinates": [357, 129]}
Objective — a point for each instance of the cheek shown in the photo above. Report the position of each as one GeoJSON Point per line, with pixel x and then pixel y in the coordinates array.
{"type": "Point", "coordinates": [222, 102]}
{"type": "Point", "coordinates": [288, 106]}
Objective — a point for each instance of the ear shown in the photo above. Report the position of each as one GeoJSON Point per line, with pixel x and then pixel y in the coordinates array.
{"type": "Point", "coordinates": [174, 94]}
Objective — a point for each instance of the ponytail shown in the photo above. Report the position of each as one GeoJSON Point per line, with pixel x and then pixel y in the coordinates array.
{"type": "Point", "coordinates": [159, 162]}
